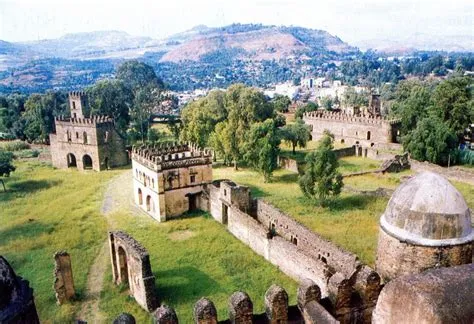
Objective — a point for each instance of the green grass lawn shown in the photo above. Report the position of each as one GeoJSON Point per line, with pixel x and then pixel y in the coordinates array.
{"type": "Point", "coordinates": [191, 258]}
{"type": "Point", "coordinates": [47, 210]}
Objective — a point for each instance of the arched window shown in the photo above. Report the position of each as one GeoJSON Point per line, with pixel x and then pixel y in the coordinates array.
{"type": "Point", "coordinates": [77, 135]}
{"type": "Point", "coordinates": [153, 183]}
{"type": "Point", "coordinates": [368, 135]}
{"type": "Point", "coordinates": [149, 203]}
{"type": "Point", "coordinates": [84, 135]}
{"type": "Point", "coordinates": [87, 162]}
{"type": "Point", "coordinates": [71, 161]}
{"type": "Point", "coordinates": [73, 105]}
{"type": "Point", "coordinates": [140, 198]}
{"type": "Point", "coordinates": [106, 136]}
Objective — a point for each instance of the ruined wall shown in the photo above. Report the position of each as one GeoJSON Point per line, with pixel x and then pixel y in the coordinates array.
{"type": "Point", "coordinates": [396, 258]}
{"type": "Point", "coordinates": [346, 151]}
{"type": "Point", "coordinates": [312, 244]}
{"type": "Point", "coordinates": [63, 278]}
{"type": "Point", "coordinates": [288, 164]}
{"type": "Point", "coordinates": [131, 266]}
{"type": "Point", "coordinates": [351, 130]}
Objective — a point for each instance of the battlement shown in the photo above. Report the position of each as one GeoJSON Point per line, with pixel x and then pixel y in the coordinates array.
{"type": "Point", "coordinates": [92, 121]}
{"type": "Point", "coordinates": [171, 155]}
{"type": "Point", "coordinates": [77, 94]}
{"type": "Point", "coordinates": [341, 117]}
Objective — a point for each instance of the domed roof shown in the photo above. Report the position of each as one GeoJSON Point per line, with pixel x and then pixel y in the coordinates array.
{"type": "Point", "coordinates": [428, 210]}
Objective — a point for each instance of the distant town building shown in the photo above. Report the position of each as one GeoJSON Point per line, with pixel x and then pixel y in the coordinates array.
{"type": "Point", "coordinates": [86, 142]}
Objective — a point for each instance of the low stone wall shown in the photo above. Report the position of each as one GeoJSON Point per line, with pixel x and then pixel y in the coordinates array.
{"type": "Point", "coordinates": [346, 151]}
{"type": "Point", "coordinates": [452, 173]}
{"type": "Point", "coordinates": [288, 164]}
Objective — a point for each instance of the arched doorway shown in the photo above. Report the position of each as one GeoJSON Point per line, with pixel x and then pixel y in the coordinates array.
{"type": "Point", "coordinates": [87, 162]}
{"type": "Point", "coordinates": [71, 161]}
{"type": "Point", "coordinates": [140, 198]}
{"type": "Point", "coordinates": [123, 265]}
{"type": "Point", "coordinates": [148, 203]}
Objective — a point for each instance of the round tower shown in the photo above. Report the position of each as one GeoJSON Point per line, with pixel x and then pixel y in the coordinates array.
{"type": "Point", "coordinates": [426, 224]}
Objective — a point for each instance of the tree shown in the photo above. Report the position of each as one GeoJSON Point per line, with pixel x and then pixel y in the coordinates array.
{"type": "Point", "coordinates": [138, 75]}
{"type": "Point", "coordinates": [353, 98]}
{"type": "Point", "coordinates": [281, 102]}
{"type": "Point", "coordinates": [111, 98]}
{"type": "Point", "coordinates": [327, 102]}
{"type": "Point", "coordinates": [453, 103]}
{"type": "Point", "coordinates": [6, 166]}
{"type": "Point", "coordinates": [432, 141]}
{"type": "Point", "coordinates": [262, 148]}
{"type": "Point", "coordinates": [310, 106]}
{"type": "Point", "coordinates": [296, 134]}
{"type": "Point", "coordinates": [39, 114]}
{"type": "Point", "coordinates": [321, 178]}
{"type": "Point", "coordinates": [145, 100]}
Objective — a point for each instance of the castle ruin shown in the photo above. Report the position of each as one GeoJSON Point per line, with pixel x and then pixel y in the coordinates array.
{"type": "Point", "coordinates": [168, 180]}
{"type": "Point", "coordinates": [86, 142]}
{"type": "Point", "coordinates": [353, 129]}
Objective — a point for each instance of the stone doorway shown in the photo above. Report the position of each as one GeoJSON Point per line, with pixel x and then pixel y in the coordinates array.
{"type": "Point", "coordinates": [123, 266]}
{"type": "Point", "coordinates": [87, 162]}
{"type": "Point", "coordinates": [192, 202]}
{"type": "Point", "coordinates": [225, 214]}
{"type": "Point", "coordinates": [71, 161]}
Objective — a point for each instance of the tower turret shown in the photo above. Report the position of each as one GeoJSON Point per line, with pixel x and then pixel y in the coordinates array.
{"type": "Point", "coordinates": [78, 104]}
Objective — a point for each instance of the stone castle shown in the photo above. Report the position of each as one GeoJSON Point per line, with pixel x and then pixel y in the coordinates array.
{"type": "Point", "coordinates": [86, 142]}
{"type": "Point", "coordinates": [355, 126]}
{"type": "Point", "coordinates": [168, 180]}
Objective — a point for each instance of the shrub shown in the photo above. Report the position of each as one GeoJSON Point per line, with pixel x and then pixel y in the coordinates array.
{"type": "Point", "coordinates": [15, 146]}
{"type": "Point", "coordinates": [466, 157]}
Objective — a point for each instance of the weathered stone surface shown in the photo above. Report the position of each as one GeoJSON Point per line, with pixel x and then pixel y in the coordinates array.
{"type": "Point", "coordinates": [125, 318]}
{"type": "Point", "coordinates": [17, 303]}
{"type": "Point", "coordinates": [205, 312]}
{"type": "Point", "coordinates": [240, 308]}
{"type": "Point", "coordinates": [439, 296]}
{"type": "Point", "coordinates": [276, 305]}
{"type": "Point", "coordinates": [131, 266]}
{"type": "Point", "coordinates": [80, 140]}
{"type": "Point", "coordinates": [426, 224]}
{"type": "Point", "coordinates": [165, 315]}
{"type": "Point", "coordinates": [63, 278]}
{"type": "Point", "coordinates": [308, 291]}
{"type": "Point", "coordinates": [396, 164]}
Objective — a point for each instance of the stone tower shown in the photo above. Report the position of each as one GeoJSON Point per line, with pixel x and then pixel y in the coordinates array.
{"type": "Point", "coordinates": [85, 142]}
{"type": "Point", "coordinates": [78, 104]}
{"type": "Point", "coordinates": [427, 224]}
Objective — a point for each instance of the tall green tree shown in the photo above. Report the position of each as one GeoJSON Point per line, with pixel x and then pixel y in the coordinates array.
{"type": "Point", "coordinates": [262, 148]}
{"type": "Point", "coordinates": [111, 98]}
{"type": "Point", "coordinates": [281, 102]}
{"type": "Point", "coordinates": [433, 141]}
{"type": "Point", "coordinates": [321, 178]}
{"type": "Point", "coordinates": [296, 134]}
{"type": "Point", "coordinates": [39, 114]}
{"type": "Point", "coordinates": [145, 101]}
{"type": "Point", "coordinates": [6, 166]}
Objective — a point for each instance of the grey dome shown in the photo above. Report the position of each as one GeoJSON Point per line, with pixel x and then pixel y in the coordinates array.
{"type": "Point", "coordinates": [428, 210]}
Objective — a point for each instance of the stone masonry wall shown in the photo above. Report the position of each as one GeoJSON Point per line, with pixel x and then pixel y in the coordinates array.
{"type": "Point", "coordinates": [395, 258]}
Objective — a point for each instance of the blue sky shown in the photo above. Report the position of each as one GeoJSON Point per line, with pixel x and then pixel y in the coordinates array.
{"type": "Point", "coordinates": [351, 20]}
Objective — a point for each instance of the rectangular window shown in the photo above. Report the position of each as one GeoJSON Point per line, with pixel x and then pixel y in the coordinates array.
{"type": "Point", "coordinates": [193, 179]}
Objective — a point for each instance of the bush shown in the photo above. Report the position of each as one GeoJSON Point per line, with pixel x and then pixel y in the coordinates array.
{"type": "Point", "coordinates": [25, 154]}
{"type": "Point", "coordinates": [466, 157]}
{"type": "Point", "coordinates": [15, 146]}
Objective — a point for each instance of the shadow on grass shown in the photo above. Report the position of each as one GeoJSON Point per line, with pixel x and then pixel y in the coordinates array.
{"type": "Point", "coordinates": [29, 229]}
{"type": "Point", "coordinates": [184, 284]}
{"type": "Point", "coordinates": [356, 201]}
{"type": "Point", "coordinates": [287, 178]}
{"type": "Point", "coordinates": [192, 214]}
{"type": "Point", "coordinates": [20, 188]}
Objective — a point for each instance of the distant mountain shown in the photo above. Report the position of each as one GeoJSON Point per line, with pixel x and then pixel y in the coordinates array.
{"type": "Point", "coordinates": [419, 41]}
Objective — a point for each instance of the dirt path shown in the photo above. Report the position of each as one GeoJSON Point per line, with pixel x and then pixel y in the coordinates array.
{"type": "Point", "coordinates": [118, 196]}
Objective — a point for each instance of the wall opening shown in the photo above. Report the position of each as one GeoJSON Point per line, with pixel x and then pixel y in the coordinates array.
{"type": "Point", "coordinates": [123, 265]}
{"type": "Point", "coordinates": [140, 197]}
{"type": "Point", "coordinates": [192, 202]}
{"type": "Point", "coordinates": [342, 141]}
{"type": "Point", "coordinates": [84, 137]}
{"type": "Point", "coordinates": [148, 203]}
{"type": "Point", "coordinates": [71, 161]}
{"type": "Point", "coordinates": [368, 135]}
{"type": "Point", "coordinates": [225, 212]}
{"type": "Point", "coordinates": [87, 162]}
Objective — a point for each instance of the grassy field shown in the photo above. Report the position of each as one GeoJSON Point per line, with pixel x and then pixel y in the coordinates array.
{"type": "Point", "coordinates": [46, 210]}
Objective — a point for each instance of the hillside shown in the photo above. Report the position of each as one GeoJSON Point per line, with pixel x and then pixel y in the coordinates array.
{"type": "Point", "coordinates": [198, 58]}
